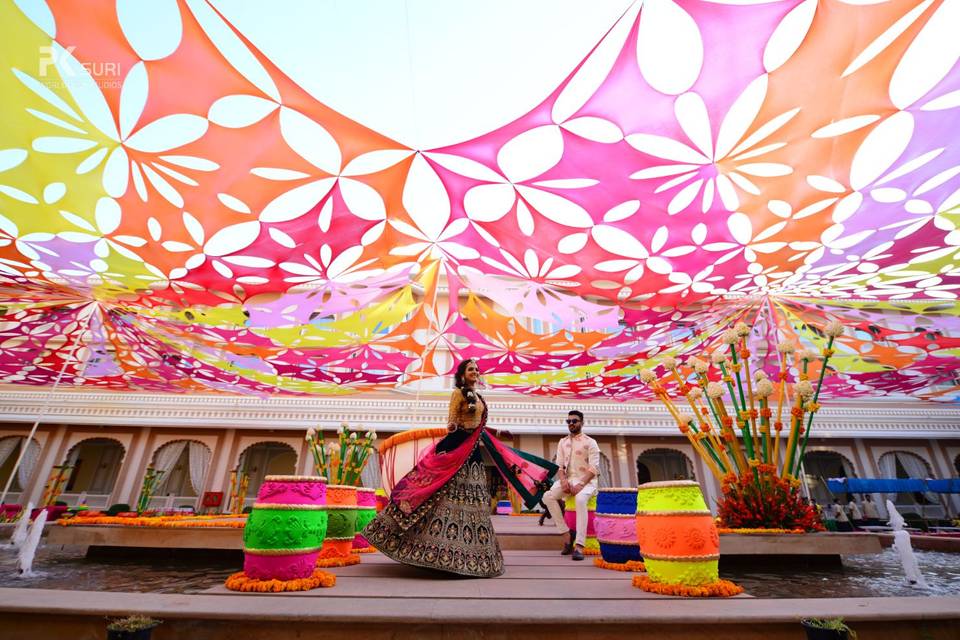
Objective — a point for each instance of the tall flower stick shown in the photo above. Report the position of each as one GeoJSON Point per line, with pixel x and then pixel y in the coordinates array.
{"type": "Point", "coordinates": [714, 394]}
{"type": "Point", "coordinates": [802, 390]}
{"type": "Point", "coordinates": [683, 422]}
{"type": "Point", "coordinates": [763, 391]}
{"type": "Point", "coordinates": [728, 379]}
{"type": "Point", "coordinates": [700, 368]}
{"type": "Point", "coordinates": [785, 349]}
{"type": "Point", "coordinates": [743, 331]}
{"type": "Point", "coordinates": [833, 329]}
{"type": "Point", "coordinates": [670, 364]}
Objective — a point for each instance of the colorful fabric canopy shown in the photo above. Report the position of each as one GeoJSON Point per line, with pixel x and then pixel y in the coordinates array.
{"type": "Point", "coordinates": [176, 214]}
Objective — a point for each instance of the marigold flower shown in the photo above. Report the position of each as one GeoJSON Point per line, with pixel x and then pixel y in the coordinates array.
{"type": "Point", "coordinates": [828, 352]}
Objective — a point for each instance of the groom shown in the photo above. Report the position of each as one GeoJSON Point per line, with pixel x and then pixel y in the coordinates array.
{"type": "Point", "coordinates": [578, 457]}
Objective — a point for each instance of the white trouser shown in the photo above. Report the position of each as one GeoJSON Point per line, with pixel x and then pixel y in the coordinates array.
{"type": "Point", "coordinates": [552, 499]}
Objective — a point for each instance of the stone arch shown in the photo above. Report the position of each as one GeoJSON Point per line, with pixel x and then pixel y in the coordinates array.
{"type": "Point", "coordinates": [185, 463]}
{"type": "Point", "coordinates": [265, 458]}
{"type": "Point", "coordinates": [663, 463]}
{"type": "Point", "coordinates": [907, 464]}
{"type": "Point", "coordinates": [605, 472]}
{"type": "Point", "coordinates": [96, 466]}
{"type": "Point", "coordinates": [370, 476]}
{"type": "Point", "coordinates": [820, 464]}
{"type": "Point", "coordinates": [10, 447]}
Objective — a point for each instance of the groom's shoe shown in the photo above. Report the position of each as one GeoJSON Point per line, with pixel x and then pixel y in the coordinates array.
{"type": "Point", "coordinates": [577, 553]}
{"type": "Point", "coordinates": [568, 545]}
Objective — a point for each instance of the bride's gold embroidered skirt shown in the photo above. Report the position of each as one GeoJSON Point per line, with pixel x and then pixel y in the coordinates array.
{"type": "Point", "coordinates": [451, 531]}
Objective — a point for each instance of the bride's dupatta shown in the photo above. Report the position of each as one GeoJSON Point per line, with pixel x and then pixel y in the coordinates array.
{"type": "Point", "coordinates": [527, 474]}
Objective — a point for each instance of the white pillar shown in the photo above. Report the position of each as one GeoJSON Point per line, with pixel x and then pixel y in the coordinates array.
{"type": "Point", "coordinates": [126, 489]}
{"type": "Point", "coordinates": [944, 469]}
{"type": "Point", "coordinates": [48, 458]}
{"type": "Point", "coordinates": [623, 462]}
{"type": "Point", "coordinates": [220, 465]}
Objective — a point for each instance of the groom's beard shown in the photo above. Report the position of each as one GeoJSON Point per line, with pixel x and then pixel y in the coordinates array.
{"type": "Point", "coordinates": [576, 432]}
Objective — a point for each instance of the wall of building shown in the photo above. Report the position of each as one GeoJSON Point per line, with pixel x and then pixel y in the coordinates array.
{"type": "Point", "coordinates": [227, 446]}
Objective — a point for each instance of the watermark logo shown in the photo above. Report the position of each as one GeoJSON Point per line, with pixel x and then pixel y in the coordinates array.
{"type": "Point", "coordinates": [104, 74]}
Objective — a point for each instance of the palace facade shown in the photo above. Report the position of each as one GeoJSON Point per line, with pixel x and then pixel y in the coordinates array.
{"type": "Point", "coordinates": [109, 439]}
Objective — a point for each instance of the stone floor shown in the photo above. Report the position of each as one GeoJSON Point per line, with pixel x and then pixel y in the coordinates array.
{"type": "Point", "coordinates": [542, 595]}
{"type": "Point", "coordinates": [528, 575]}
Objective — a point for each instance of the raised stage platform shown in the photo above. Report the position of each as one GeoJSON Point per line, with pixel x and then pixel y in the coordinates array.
{"type": "Point", "coordinates": [514, 532]}
{"type": "Point", "coordinates": [541, 596]}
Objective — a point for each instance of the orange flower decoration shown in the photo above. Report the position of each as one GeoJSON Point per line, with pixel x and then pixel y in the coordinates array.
{"type": "Point", "coordinates": [240, 582]}
{"type": "Point", "coordinates": [629, 565]}
{"type": "Point", "coordinates": [718, 589]}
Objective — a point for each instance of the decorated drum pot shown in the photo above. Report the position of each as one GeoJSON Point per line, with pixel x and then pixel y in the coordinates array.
{"type": "Point", "coordinates": [677, 535]}
{"type": "Point", "coordinates": [616, 524]}
{"type": "Point", "coordinates": [591, 545]}
{"type": "Point", "coordinates": [342, 522]}
{"type": "Point", "coordinates": [286, 528]}
{"type": "Point", "coordinates": [366, 511]}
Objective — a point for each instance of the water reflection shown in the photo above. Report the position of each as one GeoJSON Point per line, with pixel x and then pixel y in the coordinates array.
{"type": "Point", "coordinates": [861, 576]}
{"type": "Point", "coordinates": [66, 568]}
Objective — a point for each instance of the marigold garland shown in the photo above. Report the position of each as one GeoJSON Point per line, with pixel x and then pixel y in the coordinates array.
{"type": "Point", "coordinates": [761, 531]}
{"type": "Point", "coordinates": [338, 561]}
{"type": "Point", "coordinates": [159, 522]}
{"type": "Point", "coordinates": [364, 550]}
{"type": "Point", "coordinates": [629, 565]}
{"type": "Point", "coordinates": [591, 552]}
{"type": "Point", "coordinates": [718, 589]}
{"type": "Point", "coordinates": [241, 582]}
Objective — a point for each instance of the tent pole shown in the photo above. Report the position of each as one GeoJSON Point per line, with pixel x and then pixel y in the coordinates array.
{"type": "Point", "coordinates": [36, 423]}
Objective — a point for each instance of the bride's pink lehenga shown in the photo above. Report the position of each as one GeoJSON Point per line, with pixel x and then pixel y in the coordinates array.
{"type": "Point", "coordinates": [439, 513]}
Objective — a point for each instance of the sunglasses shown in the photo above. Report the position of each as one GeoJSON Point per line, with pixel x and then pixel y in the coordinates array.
{"type": "Point", "coordinates": [574, 421]}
